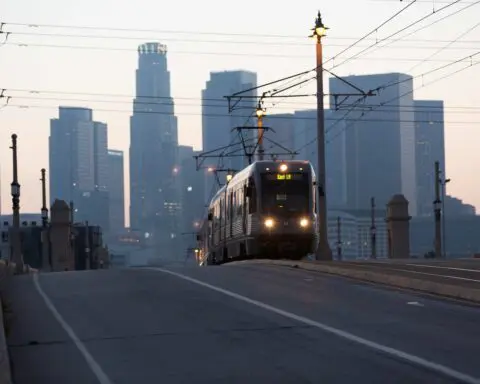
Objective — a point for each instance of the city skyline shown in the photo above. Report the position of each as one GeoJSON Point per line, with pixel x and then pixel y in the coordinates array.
{"type": "Point", "coordinates": [304, 114]}
{"type": "Point", "coordinates": [104, 78]}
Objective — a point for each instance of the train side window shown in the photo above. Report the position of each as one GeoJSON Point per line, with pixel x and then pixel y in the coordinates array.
{"type": "Point", "coordinates": [239, 201]}
{"type": "Point", "coordinates": [252, 197]}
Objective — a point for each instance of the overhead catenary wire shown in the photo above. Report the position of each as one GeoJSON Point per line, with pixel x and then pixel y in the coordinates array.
{"type": "Point", "coordinates": [415, 31]}
{"type": "Point", "coordinates": [213, 53]}
{"type": "Point", "coordinates": [444, 47]}
{"type": "Point", "coordinates": [256, 41]}
{"type": "Point", "coordinates": [375, 30]}
{"type": "Point", "coordinates": [27, 106]}
{"type": "Point", "coordinates": [429, 72]}
{"type": "Point", "coordinates": [449, 3]}
{"type": "Point", "coordinates": [261, 43]}
{"type": "Point", "coordinates": [386, 103]}
{"type": "Point", "coordinates": [221, 101]}
{"type": "Point", "coordinates": [401, 96]}
{"type": "Point", "coordinates": [396, 33]}
{"type": "Point", "coordinates": [298, 74]}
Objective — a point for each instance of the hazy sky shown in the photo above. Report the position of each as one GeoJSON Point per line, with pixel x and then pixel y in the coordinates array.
{"type": "Point", "coordinates": [221, 35]}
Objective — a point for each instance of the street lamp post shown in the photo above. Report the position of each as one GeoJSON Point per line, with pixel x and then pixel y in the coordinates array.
{"type": "Point", "coordinates": [15, 192]}
{"type": "Point", "coordinates": [443, 184]}
{"type": "Point", "coordinates": [44, 200]}
{"type": "Point", "coordinates": [437, 208]}
{"type": "Point", "coordinates": [323, 251]}
{"type": "Point", "coordinates": [260, 112]}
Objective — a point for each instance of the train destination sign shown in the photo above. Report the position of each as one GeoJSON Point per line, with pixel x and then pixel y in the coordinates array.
{"type": "Point", "coordinates": [284, 176]}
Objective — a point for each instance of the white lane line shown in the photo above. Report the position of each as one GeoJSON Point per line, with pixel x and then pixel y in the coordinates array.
{"type": "Point", "coordinates": [94, 366]}
{"type": "Point", "coordinates": [338, 332]}
{"type": "Point", "coordinates": [452, 268]}
{"type": "Point", "coordinates": [434, 274]}
{"type": "Point", "coordinates": [416, 303]}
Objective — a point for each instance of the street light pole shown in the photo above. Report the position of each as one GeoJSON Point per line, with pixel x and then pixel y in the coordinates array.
{"type": "Point", "coordinates": [15, 191]}
{"type": "Point", "coordinates": [44, 200]}
{"type": "Point", "coordinates": [44, 210]}
{"type": "Point", "coordinates": [443, 183]}
{"type": "Point", "coordinates": [323, 251]}
{"type": "Point", "coordinates": [260, 113]}
{"type": "Point", "coordinates": [437, 211]}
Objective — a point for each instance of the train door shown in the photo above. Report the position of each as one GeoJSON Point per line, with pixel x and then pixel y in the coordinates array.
{"type": "Point", "coordinates": [225, 215]}
{"type": "Point", "coordinates": [210, 230]}
{"type": "Point", "coordinates": [231, 212]}
{"type": "Point", "coordinates": [244, 209]}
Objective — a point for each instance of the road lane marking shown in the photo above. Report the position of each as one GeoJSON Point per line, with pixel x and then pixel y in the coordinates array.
{"type": "Point", "coordinates": [416, 303]}
{"type": "Point", "coordinates": [94, 366]}
{"type": "Point", "coordinates": [452, 268]}
{"type": "Point", "coordinates": [338, 332]}
{"type": "Point", "coordinates": [434, 274]}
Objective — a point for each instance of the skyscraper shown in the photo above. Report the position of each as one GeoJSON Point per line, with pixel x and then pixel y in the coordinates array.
{"type": "Point", "coordinates": [335, 155]}
{"type": "Point", "coordinates": [154, 202]}
{"type": "Point", "coordinates": [100, 151]}
{"type": "Point", "coordinates": [430, 147]}
{"type": "Point", "coordinates": [281, 136]}
{"type": "Point", "coordinates": [217, 122]}
{"type": "Point", "coordinates": [78, 164]}
{"type": "Point", "coordinates": [380, 146]}
{"type": "Point", "coordinates": [115, 186]}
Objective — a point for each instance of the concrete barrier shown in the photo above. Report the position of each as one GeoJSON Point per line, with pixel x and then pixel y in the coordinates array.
{"type": "Point", "coordinates": [432, 287]}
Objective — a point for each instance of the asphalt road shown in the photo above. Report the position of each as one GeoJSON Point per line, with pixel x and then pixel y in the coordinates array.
{"type": "Point", "coordinates": [236, 323]}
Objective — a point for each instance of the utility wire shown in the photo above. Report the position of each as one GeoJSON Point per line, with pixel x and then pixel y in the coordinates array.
{"type": "Point", "coordinates": [214, 53]}
{"type": "Point", "coordinates": [375, 30]}
{"type": "Point", "coordinates": [397, 32]}
{"type": "Point", "coordinates": [403, 95]}
{"type": "Point", "coordinates": [49, 107]}
{"type": "Point", "coordinates": [106, 37]}
{"type": "Point", "coordinates": [385, 103]}
{"type": "Point", "coordinates": [445, 47]}
{"type": "Point", "coordinates": [402, 38]}
{"type": "Point", "coordinates": [221, 101]}
{"type": "Point", "coordinates": [429, 72]}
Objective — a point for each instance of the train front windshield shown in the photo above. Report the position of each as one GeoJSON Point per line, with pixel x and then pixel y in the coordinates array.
{"type": "Point", "coordinates": [285, 194]}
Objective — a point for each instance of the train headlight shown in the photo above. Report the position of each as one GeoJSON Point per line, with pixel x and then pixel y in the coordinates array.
{"type": "Point", "coordinates": [283, 167]}
{"type": "Point", "coordinates": [269, 223]}
{"type": "Point", "coordinates": [304, 222]}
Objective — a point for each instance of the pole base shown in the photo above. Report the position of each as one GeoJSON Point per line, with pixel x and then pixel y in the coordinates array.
{"type": "Point", "coordinates": [19, 268]}
{"type": "Point", "coordinates": [324, 252]}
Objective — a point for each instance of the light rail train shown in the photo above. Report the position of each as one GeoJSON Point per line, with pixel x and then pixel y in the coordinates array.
{"type": "Point", "coordinates": [267, 210]}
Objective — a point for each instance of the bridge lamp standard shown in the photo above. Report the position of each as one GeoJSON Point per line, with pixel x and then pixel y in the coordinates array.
{"type": "Point", "coordinates": [443, 184]}
{"type": "Point", "coordinates": [260, 112]}
{"type": "Point", "coordinates": [323, 251]}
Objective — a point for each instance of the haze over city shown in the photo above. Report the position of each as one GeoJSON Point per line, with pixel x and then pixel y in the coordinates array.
{"type": "Point", "coordinates": [239, 192]}
{"type": "Point", "coordinates": [37, 58]}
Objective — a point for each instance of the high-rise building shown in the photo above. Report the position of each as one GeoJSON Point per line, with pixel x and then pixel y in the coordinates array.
{"type": "Point", "coordinates": [100, 150]}
{"type": "Point", "coordinates": [116, 189]}
{"type": "Point", "coordinates": [77, 157]}
{"type": "Point", "coordinates": [430, 147]}
{"type": "Point", "coordinates": [218, 124]}
{"type": "Point", "coordinates": [379, 140]}
{"type": "Point", "coordinates": [154, 201]}
{"type": "Point", "coordinates": [335, 153]}
{"type": "Point", "coordinates": [280, 138]}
